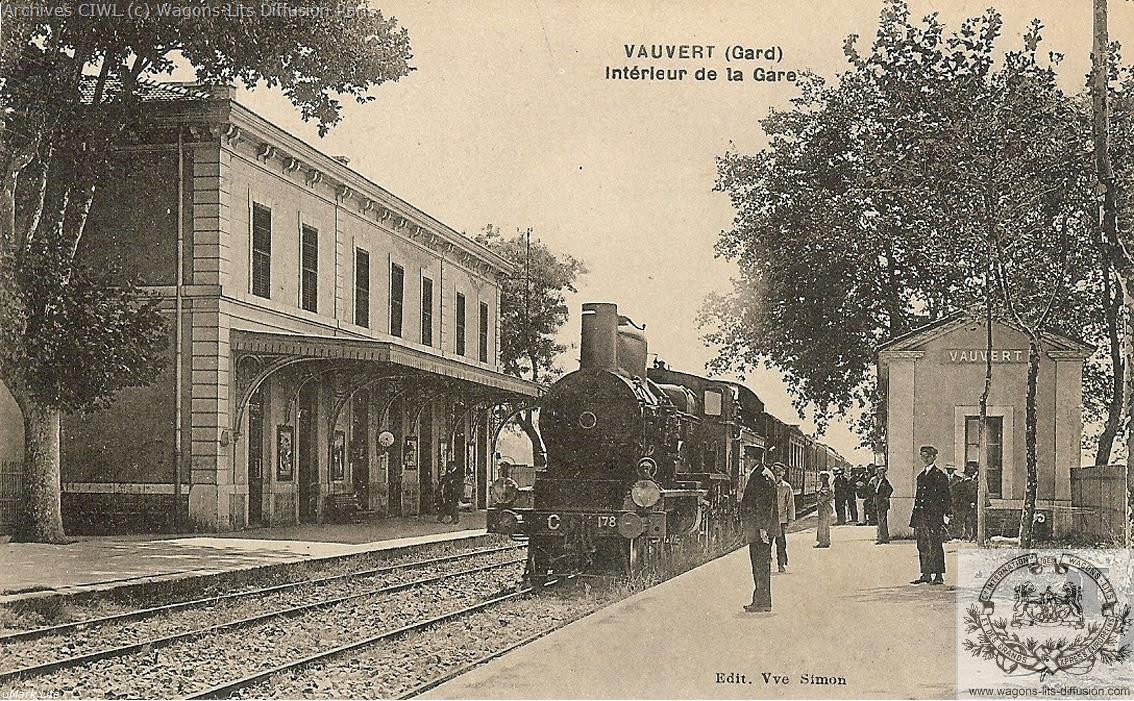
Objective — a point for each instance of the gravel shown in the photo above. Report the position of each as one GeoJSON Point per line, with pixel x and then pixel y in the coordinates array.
{"type": "Point", "coordinates": [189, 666]}
{"type": "Point", "coordinates": [407, 662]}
{"type": "Point", "coordinates": [98, 637]}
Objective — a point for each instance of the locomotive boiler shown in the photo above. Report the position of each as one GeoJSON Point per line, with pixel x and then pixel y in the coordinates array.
{"type": "Point", "coordinates": [618, 489]}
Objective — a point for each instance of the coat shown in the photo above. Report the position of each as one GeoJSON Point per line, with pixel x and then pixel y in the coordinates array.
{"type": "Point", "coordinates": [758, 506]}
{"type": "Point", "coordinates": [932, 500]}
{"type": "Point", "coordinates": [842, 486]}
{"type": "Point", "coordinates": [451, 486]}
{"type": "Point", "coordinates": [882, 493]}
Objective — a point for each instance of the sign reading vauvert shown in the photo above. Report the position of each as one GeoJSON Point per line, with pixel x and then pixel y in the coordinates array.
{"type": "Point", "coordinates": [980, 355]}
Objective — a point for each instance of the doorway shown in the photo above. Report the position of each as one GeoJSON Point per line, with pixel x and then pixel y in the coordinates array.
{"type": "Point", "coordinates": [308, 456]}
{"type": "Point", "coordinates": [256, 460]}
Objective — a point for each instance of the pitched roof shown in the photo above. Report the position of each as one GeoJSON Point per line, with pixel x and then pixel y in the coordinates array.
{"type": "Point", "coordinates": [951, 322]}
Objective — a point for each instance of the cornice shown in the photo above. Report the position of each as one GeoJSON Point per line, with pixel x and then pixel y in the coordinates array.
{"type": "Point", "coordinates": [901, 355]}
{"type": "Point", "coordinates": [235, 127]}
{"type": "Point", "coordinates": [349, 188]}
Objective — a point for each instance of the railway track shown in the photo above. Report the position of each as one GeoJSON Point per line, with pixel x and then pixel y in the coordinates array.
{"type": "Point", "coordinates": [227, 689]}
{"type": "Point", "coordinates": [274, 614]}
{"type": "Point", "coordinates": [140, 614]}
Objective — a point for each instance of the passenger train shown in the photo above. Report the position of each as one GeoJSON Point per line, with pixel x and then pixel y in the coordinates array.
{"type": "Point", "coordinates": [643, 462]}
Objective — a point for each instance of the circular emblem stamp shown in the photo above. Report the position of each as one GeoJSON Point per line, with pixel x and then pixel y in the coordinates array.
{"type": "Point", "coordinates": [1047, 614]}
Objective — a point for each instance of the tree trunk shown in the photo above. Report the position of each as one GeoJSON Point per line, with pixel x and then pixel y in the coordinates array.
{"type": "Point", "coordinates": [527, 425]}
{"type": "Point", "coordinates": [1031, 488]}
{"type": "Point", "coordinates": [982, 442]}
{"type": "Point", "coordinates": [41, 516]}
{"type": "Point", "coordinates": [1117, 404]}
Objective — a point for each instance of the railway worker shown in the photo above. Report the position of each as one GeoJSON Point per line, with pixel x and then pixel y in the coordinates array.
{"type": "Point", "coordinates": [761, 520]}
{"type": "Point", "coordinates": [931, 511]}
{"type": "Point", "coordinates": [881, 498]}
{"type": "Point", "coordinates": [785, 506]}
{"type": "Point", "coordinates": [859, 484]}
{"type": "Point", "coordinates": [844, 498]}
{"type": "Point", "coordinates": [868, 497]}
{"type": "Point", "coordinates": [824, 509]}
{"type": "Point", "coordinates": [956, 499]}
{"type": "Point", "coordinates": [452, 485]}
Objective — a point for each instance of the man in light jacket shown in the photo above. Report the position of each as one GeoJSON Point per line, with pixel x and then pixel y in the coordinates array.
{"type": "Point", "coordinates": [785, 505]}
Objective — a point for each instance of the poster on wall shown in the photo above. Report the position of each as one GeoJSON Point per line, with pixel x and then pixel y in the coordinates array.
{"type": "Point", "coordinates": [338, 456]}
{"type": "Point", "coordinates": [409, 453]}
{"type": "Point", "coordinates": [285, 458]}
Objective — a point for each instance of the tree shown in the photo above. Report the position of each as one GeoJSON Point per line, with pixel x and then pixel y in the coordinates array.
{"type": "Point", "coordinates": [71, 87]}
{"type": "Point", "coordinates": [935, 175]}
{"type": "Point", "coordinates": [533, 308]}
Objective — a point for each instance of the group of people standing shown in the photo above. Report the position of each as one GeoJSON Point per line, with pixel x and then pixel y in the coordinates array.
{"type": "Point", "coordinates": [835, 497]}
{"type": "Point", "coordinates": [768, 506]}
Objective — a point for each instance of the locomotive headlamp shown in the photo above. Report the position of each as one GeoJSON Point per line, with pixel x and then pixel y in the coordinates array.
{"type": "Point", "coordinates": [631, 525]}
{"type": "Point", "coordinates": [647, 468]}
{"type": "Point", "coordinates": [505, 490]}
{"type": "Point", "coordinates": [645, 493]}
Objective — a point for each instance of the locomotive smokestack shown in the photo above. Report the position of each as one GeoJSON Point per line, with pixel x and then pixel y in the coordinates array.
{"type": "Point", "coordinates": [598, 347]}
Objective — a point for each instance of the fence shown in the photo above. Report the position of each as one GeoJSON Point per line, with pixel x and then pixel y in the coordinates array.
{"type": "Point", "coordinates": [1099, 498]}
{"type": "Point", "coordinates": [11, 486]}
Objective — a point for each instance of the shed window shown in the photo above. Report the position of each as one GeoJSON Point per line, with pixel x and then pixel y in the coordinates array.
{"type": "Point", "coordinates": [397, 298]}
{"type": "Point", "coordinates": [482, 341]}
{"type": "Point", "coordinates": [426, 312]}
{"type": "Point", "coordinates": [261, 251]}
{"type": "Point", "coordinates": [309, 268]}
{"type": "Point", "coordinates": [361, 287]}
{"type": "Point", "coordinates": [460, 324]}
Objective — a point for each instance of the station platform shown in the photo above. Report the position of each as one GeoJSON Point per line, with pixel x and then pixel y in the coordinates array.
{"type": "Point", "coordinates": [91, 564]}
{"type": "Point", "coordinates": [846, 616]}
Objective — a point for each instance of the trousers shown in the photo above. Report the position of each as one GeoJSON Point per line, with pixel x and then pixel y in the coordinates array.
{"type": "Point", "coordinates": [760, 555]}
{"type": "Point", "coordinates": [781, 548]}
{"type": "Point", "coordinates": [930, 552]}
{"type": "Point", "coordinates": [883, 526]}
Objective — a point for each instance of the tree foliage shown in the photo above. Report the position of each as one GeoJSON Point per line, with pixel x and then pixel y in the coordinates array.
{"type": "Point", "coordinates": [533, 304]}
{"type": "Point", "coordinates": [884, 195]}
{"type": "Point", "coordinates": [72, 88]}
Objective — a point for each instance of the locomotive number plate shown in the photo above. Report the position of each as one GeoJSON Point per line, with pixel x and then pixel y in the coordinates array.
{"type": "Point", "coordinates": [550, 523]}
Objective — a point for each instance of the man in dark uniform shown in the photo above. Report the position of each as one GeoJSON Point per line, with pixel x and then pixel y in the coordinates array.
{"type": "Point", "coordinates": [842, 491]}
{"type": "Point", "coordinates": [932, 504]}
{"type": "Point", "coordinates": [859, 481]}
{"type": "Point", "coordinates": [761, 522]}
{"type": "Point", "coordinates": [882, 491]}
{"type": "Point", "coordinates": [953, 531]}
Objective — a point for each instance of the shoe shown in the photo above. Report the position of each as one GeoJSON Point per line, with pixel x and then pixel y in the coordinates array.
{"type": "Point", "coordinates": [937, 580]}
{"type": "Point", "coordinates": [782, 569]}
{"type": "Point", "coordinates": [753, 608]}
{"type": "Point", "coordinates": [921, 580]}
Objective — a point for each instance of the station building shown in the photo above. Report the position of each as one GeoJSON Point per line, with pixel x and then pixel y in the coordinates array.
{"type": "Point", "coordinates": [931, 380]}
{"type": "Point", "coordinates": [332, 346]}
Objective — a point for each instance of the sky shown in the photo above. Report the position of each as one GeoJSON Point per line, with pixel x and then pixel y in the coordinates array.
{"type": "Point", "coordinates": [509, 119]}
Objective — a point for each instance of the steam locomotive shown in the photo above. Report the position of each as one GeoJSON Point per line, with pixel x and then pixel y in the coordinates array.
{"type": "Point", "coordinates": [643, 463]}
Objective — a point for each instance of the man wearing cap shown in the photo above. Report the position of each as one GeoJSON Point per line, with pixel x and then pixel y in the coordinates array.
{"type": "Point", "coordinates": [785, 507]}
{"type": "Point", "coordinates": [932, 506]}
{"type": "Point", "coordinates": [761, 520]}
